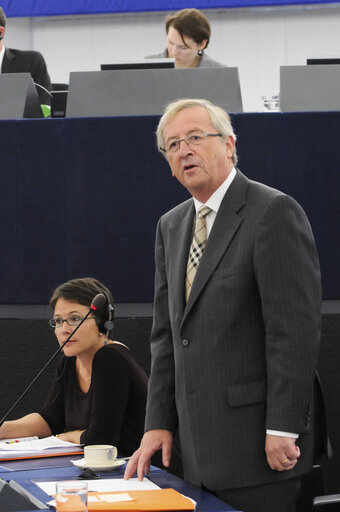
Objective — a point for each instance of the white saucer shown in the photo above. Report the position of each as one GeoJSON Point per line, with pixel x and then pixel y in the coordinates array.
{"type": "Point", "coordinates": [118, 463]}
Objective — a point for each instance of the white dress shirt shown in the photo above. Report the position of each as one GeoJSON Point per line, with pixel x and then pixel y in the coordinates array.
{"type": "Point", "coordinates": [2, 53]}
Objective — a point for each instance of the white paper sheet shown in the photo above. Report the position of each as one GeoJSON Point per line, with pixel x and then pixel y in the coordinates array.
{"type": "Point", "coordinates": [35, 445]}
{"type": "Point", "coordinates": [105, 485]}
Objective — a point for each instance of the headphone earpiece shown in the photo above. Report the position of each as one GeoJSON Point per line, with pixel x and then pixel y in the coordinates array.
{"type": "Point", "coordinates": [108, 324]}
{"type": "Point", "coordinates": [106, 317]}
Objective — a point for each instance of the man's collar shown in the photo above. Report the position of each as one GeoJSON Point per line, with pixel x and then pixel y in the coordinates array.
{"type": "Point", "coordinates": [215, 200]}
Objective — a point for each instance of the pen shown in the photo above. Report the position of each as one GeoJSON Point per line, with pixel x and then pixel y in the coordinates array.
{"type": "Point", "coordinates": [22, 440]}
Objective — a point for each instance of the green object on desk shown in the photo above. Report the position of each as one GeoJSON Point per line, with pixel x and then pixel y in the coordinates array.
{"type": "Point", "coordinates": [46, 110]}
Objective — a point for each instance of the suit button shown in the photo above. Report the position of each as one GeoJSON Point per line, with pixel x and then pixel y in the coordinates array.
{"type": "Point", "coordinates": [185, 342]}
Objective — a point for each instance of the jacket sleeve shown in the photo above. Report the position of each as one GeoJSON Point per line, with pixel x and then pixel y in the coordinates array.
{"type": "Point", "coordinates": [288, 276]}
{"type": "Point", "coordinates": [161, 409]}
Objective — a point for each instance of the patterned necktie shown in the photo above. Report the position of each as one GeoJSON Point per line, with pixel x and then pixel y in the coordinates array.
{"type": "Point", "coordinates": [197, 248]}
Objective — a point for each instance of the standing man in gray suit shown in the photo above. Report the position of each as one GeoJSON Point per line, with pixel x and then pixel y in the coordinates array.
{"type": "Point", "coordinates": [235, 346]}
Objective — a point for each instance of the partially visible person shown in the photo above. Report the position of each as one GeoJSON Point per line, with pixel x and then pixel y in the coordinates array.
{"type": "Point", "coordinates": [99, 394]}
{"type": "Point", "coordinates": [188, 35]}
{"type": "Point", "coordinates": [19, 61]}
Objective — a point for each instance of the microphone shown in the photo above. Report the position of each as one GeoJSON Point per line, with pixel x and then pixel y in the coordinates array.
{"type": "Point", "coordinates": [43, 88]}
{"type": "Point", "coordinates": [97, 304]}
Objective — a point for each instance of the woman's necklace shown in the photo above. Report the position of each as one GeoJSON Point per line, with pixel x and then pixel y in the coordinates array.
{"type": "Point", "coordinates": [83, 374]}
{"type": "Point", "coordinates": [88, 378]}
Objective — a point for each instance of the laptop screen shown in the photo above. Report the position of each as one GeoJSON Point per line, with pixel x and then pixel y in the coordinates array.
{"type": "Point", "coordinates": [330, 60]}
{"type": "Point", "coordinates": [140, 64]}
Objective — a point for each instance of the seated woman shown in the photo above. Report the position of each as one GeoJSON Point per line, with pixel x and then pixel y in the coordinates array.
{"type": "Point", "coordinates": [188, 34]}
{"type": "Point", "coordinates": [99, 394]}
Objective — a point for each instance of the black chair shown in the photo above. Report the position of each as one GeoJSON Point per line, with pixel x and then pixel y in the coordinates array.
{"type": "Point", "coordinates": [58, 103]}
{"type": "Point", "coordinates": [328, 503]}
{"type": "Point", "coordinates": [312, 485]}
{"type": "Point", "coordinates": [59, 94]}
{"type": "Point", "coordinates": [312, 494]}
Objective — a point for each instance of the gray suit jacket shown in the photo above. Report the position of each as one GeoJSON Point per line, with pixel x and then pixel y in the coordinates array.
{"type": "Point", "coordinates": [205, 60]}
{"type": "Point", "coordinates": [19, 61]}
{"type": "Point", "coordinates": [240, 357]}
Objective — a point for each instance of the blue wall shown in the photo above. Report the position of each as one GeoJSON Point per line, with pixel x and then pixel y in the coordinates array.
{"type": "Point", "coordinates": [73, 190]}
{"type": "Point", "coordinates": [62, 7]}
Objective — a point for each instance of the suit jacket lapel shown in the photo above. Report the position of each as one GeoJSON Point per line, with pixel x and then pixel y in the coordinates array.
{"type": "Point", "coordinates": [226, 224]}
{"type": "Point", "coordinates": [180, 235]}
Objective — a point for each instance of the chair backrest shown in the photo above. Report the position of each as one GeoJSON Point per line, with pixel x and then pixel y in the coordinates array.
{"type": "Point", "coordinates": [59, 87]}
{"type": "Point", "coordinates": [59, 103]}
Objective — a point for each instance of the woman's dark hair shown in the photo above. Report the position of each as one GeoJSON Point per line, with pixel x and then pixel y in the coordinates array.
{"type": "Point", "coordinates": [190, 23]}
{"type": "Point", "coordinates": [83, 290]}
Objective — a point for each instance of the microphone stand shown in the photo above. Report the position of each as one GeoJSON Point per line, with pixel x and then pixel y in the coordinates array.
{"type": "Point", "coordinates": [97, 300]}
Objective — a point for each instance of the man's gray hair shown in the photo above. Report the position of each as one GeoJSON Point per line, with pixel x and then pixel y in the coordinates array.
{"type": "Point", "coordinates": [219, 119]}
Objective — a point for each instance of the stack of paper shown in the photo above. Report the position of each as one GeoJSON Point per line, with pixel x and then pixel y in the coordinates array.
{"type": "Point", "coordinates": [34, 447]}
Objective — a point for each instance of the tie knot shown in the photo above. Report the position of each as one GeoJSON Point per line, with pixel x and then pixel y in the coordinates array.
{"type": "Point", "coordinates": [203, 211]}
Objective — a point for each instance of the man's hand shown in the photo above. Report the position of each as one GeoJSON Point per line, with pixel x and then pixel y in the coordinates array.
{"type": "Point", "coordinates": [152, 441]}
{"type": "Point", "coordinates": [282, 453]}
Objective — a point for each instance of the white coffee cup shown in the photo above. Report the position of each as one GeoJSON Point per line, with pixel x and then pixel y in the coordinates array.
{"type": "Point", "coordinates": [100, 455]}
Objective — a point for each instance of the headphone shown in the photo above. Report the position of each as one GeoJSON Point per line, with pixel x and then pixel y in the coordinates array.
{"type": "Point", "coordinates": [105, 316]}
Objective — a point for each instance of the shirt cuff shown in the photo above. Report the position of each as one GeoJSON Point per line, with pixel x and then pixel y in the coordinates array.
{"type": "Point", "coordinates": [283, 434]}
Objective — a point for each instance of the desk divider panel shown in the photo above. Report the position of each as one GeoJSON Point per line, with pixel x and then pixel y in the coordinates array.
{"type": "Point", "coordinates": [19, 97]}
{"type": "Point", "coordinates": [147, 91]}
{"type": "Point", "coordinates": [310, 88]}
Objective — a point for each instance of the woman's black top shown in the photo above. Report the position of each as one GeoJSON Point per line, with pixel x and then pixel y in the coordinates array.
{"type": "Point", "coordinates": [113, 409]}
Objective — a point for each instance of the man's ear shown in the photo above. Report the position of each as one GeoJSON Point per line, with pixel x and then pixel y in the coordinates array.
{"type": "Point", "coordinates": [230, 146]}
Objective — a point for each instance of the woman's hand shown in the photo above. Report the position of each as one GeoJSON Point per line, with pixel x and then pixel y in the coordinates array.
{"type": "Point", "coordinates": [72, 437]}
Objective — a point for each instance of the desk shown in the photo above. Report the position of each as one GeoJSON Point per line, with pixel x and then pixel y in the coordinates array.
{"type": "Point", "coordinates": [64, 470]}
{"type": "Point", "coordinates": [72, 190]}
